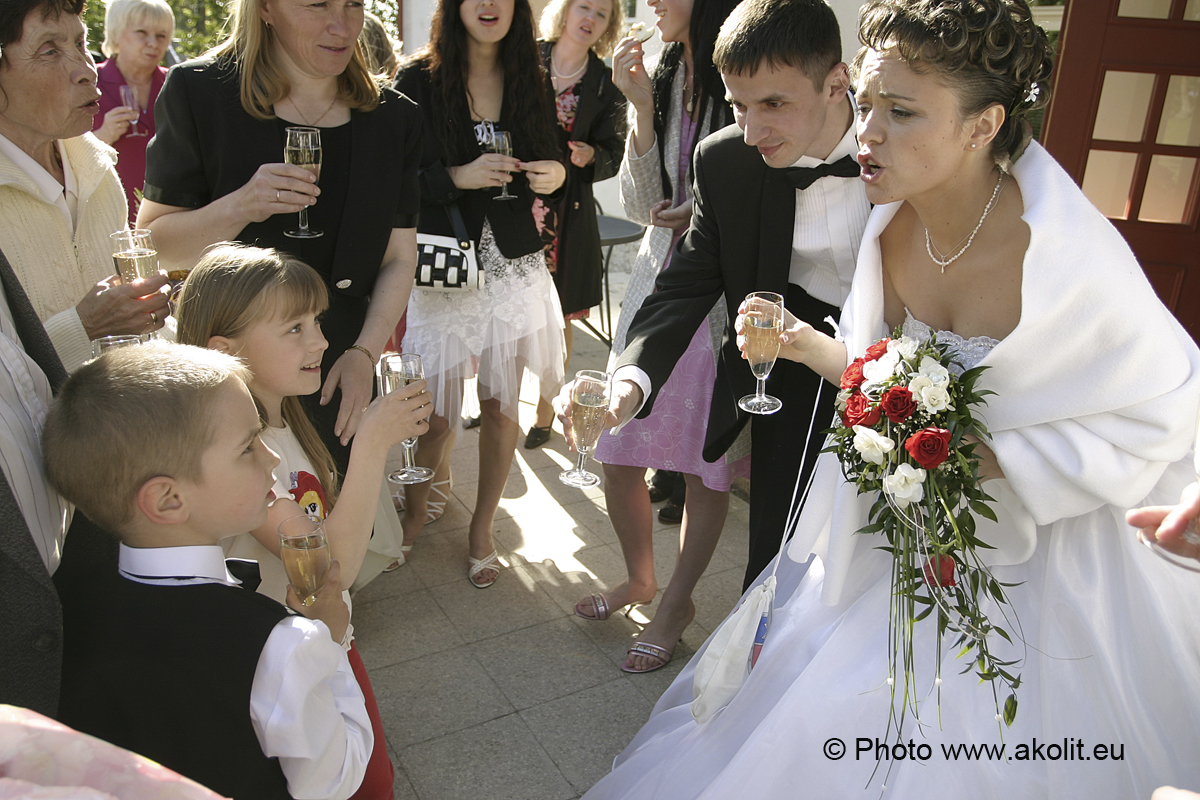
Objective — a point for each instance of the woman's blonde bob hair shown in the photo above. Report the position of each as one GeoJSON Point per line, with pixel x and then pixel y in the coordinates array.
{"type": "Point", "coordinates": [251, 46]}
{"type": "Point", "coordinates": [122, 15]}
{"type": "Point", "coordinates": [554, 17]}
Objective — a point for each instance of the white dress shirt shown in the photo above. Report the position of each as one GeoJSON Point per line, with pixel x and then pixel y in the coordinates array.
{"type": "Point", "coordinates": [24, 401]}
{"type": "Point", "coordinates": [63, 195]}
{"type": "Point", "coordinates": [305, 704]}
{"type": "Point", "coordinates": [831, 216]}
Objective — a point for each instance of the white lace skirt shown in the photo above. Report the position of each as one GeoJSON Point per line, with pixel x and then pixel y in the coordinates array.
{"type": "Point", "coordinates": [514, 323]}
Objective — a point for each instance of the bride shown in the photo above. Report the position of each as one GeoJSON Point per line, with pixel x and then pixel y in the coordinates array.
{"type": "Point", "coordinates": [979, 235]}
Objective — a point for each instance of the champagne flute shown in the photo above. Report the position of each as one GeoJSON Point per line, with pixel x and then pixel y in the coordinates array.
{"type": "Point", "coordinates": [129, 98]}
{"type": "Point", "coordinates": [761, 326]}
{"type": "Point", "coordinates": [304, 551]}
{"type": "Point", "coordinates": [501, 143]}
{"type": "Point", "coordinates": [303, 149]}
{"type": "Point", "coordinates": [105, 343]}
{"type": "Point", "coordinates": [135, 255]}
{"type": "Point", "coordinates": [1191, 535]}
{"type": "Point", "coordinates": [590, 398]}
{"type": "Point", "coordinates": [397, 370]}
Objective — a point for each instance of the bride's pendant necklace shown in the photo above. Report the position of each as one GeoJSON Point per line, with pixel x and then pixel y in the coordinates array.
{"type": "Point", "coordinates": [945, 262]}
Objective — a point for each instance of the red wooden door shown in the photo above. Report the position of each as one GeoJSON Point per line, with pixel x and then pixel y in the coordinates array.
{"type": "Point", "coordinates": [1124, 121]}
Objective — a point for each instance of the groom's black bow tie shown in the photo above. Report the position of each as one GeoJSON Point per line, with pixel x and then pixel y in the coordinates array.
{"type": "Point", "coordinates": [804, 177]}
{"type": "Point", "coordinates": [245, 571]}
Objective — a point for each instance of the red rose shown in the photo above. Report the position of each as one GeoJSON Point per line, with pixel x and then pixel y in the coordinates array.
{"type": "Point", "coordinates": [853, 376]}
{"type": "Point", "coordinates": [859, 411]}
{"type": "Point", "coordinates": [898, 404]}
{"type": "Point", "coordinates": [939, 571]}
{"type": "Point", "coordinates": [929, 447]}
{"type": "Point", "coordinates": [876, 350]}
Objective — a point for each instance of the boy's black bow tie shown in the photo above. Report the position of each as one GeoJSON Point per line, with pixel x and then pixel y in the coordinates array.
{"type": "Point", "coordinates": [804, 177]}
{"type": "Point", "coordinates": [245, 571]}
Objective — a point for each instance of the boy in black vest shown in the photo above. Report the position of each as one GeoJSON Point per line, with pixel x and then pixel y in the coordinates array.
{"type": "Point", "coordinates": [172, 658]}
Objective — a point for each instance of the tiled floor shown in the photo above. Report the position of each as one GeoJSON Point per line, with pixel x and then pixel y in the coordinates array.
{"type": "Point", "coordinates": [504, 693]}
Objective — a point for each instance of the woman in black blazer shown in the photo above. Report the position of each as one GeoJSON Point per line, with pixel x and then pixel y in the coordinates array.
{"type": "Point", "coordinates": [480, 73]}
{"type": "Point", "coordinates": [214, 173]}
{"type": "Point", "coordinates": [591, 122]}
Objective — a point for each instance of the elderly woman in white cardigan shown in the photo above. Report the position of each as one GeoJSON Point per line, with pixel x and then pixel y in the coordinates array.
{"type": "Point", "coordinates": [60, 196]}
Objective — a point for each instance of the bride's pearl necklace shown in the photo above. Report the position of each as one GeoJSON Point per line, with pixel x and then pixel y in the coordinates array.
{"type": "Point", "coordinates": [930, 248]}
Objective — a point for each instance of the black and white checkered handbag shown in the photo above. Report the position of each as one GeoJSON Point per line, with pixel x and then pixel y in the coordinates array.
{"type": "Point", "coordinates": [448, 263]}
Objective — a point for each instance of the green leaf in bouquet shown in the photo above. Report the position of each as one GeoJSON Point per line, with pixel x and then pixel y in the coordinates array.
{"type": "Point", "coordinates": [1010, 709]}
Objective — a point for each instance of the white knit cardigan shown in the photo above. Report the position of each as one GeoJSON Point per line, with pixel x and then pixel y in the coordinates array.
{"type": "Point", "coordinates": [58, 266]}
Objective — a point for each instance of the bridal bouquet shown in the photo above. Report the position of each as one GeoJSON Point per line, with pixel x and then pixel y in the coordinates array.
{"type": "Point", "coordinates": [907, 432]}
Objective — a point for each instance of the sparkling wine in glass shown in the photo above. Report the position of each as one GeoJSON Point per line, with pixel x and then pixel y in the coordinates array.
{"type": "Point", "coordinates": [303, 149]}
{"type": "Point", "coordinates": [304, 551]}
{"type": "Point", "coordinates": [397, 370]}
{"type": "Point", "coordinates": [501, 144]}
{"type": "Point", "coordinates": [589, 397]}
{"type": "Point", "coordinates": [761, 326]}
{"type": "Point", "coordinates": [135, 255]}
{"type": "Point", "coordinates": [129, 98]}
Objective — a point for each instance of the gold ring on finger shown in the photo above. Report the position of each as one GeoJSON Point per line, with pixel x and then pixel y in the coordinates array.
{"type": "Point", "coordinates": [276, 195]}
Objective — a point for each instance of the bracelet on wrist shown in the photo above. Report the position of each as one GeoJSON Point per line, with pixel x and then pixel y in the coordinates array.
{"type": "Point", "coordinates": [362, 350]}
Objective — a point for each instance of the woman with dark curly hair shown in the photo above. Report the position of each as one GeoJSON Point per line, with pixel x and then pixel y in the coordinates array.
{"type": "Point", "coordinates": [977, 235]}
{"type": "Point", "coordinates": [480, 73]}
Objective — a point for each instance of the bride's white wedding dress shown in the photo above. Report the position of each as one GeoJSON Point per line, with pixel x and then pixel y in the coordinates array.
{"type": "Point", "coordinates": [1096, 407]}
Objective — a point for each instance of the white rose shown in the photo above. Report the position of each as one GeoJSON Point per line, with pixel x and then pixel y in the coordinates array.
{"type": "Point", "coordinates": [934, 399]}
{"type": "Point", "coordinates": [905, 485]}
{"type": "Point", "coordinates": [932, 368]}
{"type": "Point", "coordinates": [877, 371]}
{"type": "Point", "coordinates": [870, 445]}
{"type": "Point", "coordinates": [906, 346]}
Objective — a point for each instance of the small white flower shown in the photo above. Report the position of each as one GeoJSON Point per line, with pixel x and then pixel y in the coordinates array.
{"type": "Point", "coordinates": [877, 371]}
{"type": "Point", "coordinates": [870, 445]}
{"type": "Point", "coordinates": [932, 368]}
{"type": "Point", "coordinates": [918, 384]}
{"type": "Point", "coordinates": [905, 345]}
{"type": "Point", "coordinates": [934, 399]}
{"type": "Point", "coordinates": [840, 401]}
{"type": "Point", "coordinates": [905, 485]}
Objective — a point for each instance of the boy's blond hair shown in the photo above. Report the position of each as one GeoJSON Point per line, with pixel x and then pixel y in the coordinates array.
{"type": "Point", "coordinates": [131, 415]}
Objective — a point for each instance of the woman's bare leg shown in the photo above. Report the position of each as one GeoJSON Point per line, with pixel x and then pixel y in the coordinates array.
{"type": "Point", "coordinates": [704, 513]}
{"type": "Point", "coordinates": [433, 449]}
{"type": "Point", "coordinates": [629, 511]}
{"type": "Point", "coordinates": [545, 411]}
{"type": "Point", "coordinates": [497, 442]}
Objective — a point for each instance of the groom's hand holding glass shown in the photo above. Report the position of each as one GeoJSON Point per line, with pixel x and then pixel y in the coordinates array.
{"type": "Point", "coordinates": [624, 401]}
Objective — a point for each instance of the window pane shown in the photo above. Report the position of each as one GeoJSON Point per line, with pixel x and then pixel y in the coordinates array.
{"type": "Point", "coordinates": [1165, 198]}
{"type": "Point", "coordinates": [1106, 181]}
{"type": "Point", "coordinates": [1147, 9]}
{"type": "Point", "coordinates": [1180, 122]}
{"type": "Point", "coordinates": [1192, 11]}
{"type": "Point", "coordinates": [1124, 102]}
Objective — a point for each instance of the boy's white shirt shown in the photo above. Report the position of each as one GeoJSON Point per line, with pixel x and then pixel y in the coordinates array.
{"type": "Point", "coordinates": [305, 704]}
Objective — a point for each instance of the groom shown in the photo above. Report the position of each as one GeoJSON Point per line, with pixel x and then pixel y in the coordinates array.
{"type": "Point", "coordinates": [760, 224]}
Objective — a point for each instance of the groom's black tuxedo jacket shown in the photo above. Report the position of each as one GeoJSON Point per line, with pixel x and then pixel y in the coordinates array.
{"type": "Point", "coordinates": [740, 241]}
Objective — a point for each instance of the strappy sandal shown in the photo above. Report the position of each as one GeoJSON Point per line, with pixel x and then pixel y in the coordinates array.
{"type": "Point", "coordinates": [652, 651]}
{"type": "Point", "coordinates": [436, 508]}
{"type": "Point", "coordinates": [433, 508]}
{"type": "Point", "coordinates": [405, 549]}
{"type": "Point", "coordinates": [478, 565]}
{"type": "Point", "coordinates": [600, 608]}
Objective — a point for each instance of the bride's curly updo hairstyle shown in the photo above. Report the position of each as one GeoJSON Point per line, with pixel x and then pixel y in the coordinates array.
{"type": "Point", "coordinates": [989, 51]}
